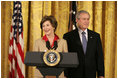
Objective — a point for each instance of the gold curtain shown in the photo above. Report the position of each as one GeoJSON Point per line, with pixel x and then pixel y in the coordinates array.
{"type": "Point", "coordinates": [103, 20]}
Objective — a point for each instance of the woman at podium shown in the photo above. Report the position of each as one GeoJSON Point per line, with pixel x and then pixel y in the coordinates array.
{"type": "Point", "coordinates": [49, 41]}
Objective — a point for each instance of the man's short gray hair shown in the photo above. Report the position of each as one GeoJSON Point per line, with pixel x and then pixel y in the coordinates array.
{"type": "Point", "coordinates": [81, 11]}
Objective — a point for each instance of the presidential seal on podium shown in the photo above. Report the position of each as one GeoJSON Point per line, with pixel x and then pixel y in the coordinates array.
{"type": "Point", "coordinates": [51, 58]}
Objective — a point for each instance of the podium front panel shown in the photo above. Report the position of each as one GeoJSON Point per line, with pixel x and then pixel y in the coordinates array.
{"type": "Point", "coordinates": [36, 59]}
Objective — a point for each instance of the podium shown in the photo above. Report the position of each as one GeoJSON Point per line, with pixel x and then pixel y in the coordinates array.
{"type": "Point", "coordinates": [68, 60]}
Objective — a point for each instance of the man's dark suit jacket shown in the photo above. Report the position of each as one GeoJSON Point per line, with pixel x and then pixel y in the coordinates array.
{"type": "Point", "coordinates": [89, 63]}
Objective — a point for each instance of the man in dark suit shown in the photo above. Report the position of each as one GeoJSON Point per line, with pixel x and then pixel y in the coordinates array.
{"type": "Point", "coordinates": [88, 46]}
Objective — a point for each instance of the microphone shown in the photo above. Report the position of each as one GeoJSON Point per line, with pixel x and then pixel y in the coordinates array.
{"type": "Point", "coordinates": [48, 44]}
{"type": "Point", "coordinates": [55, 45]}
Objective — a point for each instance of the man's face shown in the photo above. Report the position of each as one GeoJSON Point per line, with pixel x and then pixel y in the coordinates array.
{"type": "Point", "coordinates": [83, 21]}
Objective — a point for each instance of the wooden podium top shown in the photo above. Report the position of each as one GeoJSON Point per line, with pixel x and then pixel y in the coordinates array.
{"type": "Point", "coordinates": [50, 76]}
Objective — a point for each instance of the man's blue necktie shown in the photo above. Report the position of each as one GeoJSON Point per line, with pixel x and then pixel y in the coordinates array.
{"type": "Point", "coordinates": [84, 42]}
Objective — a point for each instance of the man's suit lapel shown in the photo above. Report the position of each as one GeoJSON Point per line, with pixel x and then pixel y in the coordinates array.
{"type": "Point", "coordinates": [77, 37]}
{"type": "Point", "coordinates": [89, 41]}
{"type": "Point", "coordinates": [78, 41]}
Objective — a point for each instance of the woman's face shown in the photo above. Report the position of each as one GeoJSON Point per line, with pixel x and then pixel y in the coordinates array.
{"type": "Point", "coordinates": [48, 28]}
